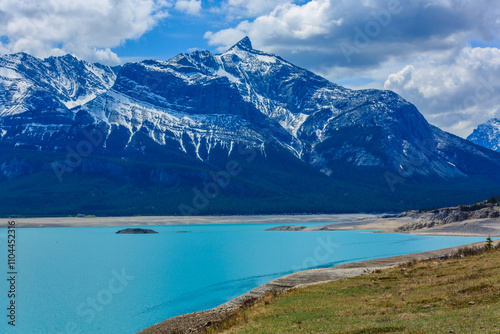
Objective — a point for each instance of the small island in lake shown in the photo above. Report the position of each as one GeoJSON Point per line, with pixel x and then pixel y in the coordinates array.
{"type": "Point", "coordinates": [136, 231]}
{"type": "Point", "coordinates": [287, 228]}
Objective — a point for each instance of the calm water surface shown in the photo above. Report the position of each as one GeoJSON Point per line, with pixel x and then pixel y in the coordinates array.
{"type": "Point", "coordinates": [91, 280]}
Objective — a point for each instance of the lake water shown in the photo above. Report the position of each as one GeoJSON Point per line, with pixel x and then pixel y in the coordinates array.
{"type": "Point", "coordinates": [91, 280]}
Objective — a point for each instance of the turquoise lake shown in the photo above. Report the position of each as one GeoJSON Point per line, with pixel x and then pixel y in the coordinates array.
{"type": "Point", "coordinates": [91, 280]}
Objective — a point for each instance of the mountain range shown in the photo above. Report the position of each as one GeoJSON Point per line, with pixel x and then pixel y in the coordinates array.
{"type": "Point", "coordinates": [487, 135]}
{"type": "Point", "coordinates": [241, 132]}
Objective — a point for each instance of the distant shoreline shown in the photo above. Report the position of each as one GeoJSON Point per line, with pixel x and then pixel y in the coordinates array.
{"type": "Point", "coordinates": [380, 223]}
{"type": "Point", "coordinates": [185, 220]}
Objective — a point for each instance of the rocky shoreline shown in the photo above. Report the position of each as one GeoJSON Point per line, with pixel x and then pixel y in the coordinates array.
{"type": "Point", "coordinates": [446, 216]}
{"type": "Point", "coordinates": [198, 322]}
{"type": "Point", "coordinates": [480, 219]}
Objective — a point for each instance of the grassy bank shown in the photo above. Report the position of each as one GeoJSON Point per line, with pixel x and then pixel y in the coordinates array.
{"type": "Point", "coordinates": [455, 295]}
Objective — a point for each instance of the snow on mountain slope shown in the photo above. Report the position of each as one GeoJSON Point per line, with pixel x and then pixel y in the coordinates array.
{"type": "Point", "coordinates": [28, 83]}
{"type": "Point", "coordinates": [278, 89]}
{"type": "Point", "coordinates": [197, 134]}
{"type": "Point", "coordinates": [195, 103]}
{"type": "Point", "coordinates": [487, 135]}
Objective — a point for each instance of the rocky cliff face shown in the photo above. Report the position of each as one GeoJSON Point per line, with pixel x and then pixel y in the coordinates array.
{"type": "Point", "coordinates": [31, 84]}
{"type": "Point", "coordinates": [37, 97]}
{"type": "Point", "coordinates": [447, 216]}
{"type": "Point", "coordinates": [487, 135]}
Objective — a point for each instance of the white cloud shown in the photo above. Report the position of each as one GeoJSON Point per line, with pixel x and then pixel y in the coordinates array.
{"type": "Point", "coordinates": [249, 9]}
{"type": "Point", "coordinates": [287, 21]}
{"type": "Point", "coordinates": [364, 41]}
{"type": "Point", "coordinates": [191, 7]}
{"type": "Point", "coordinates": [455, 94]}
{"type": "Point", "coordinates": [348, 36]}
{"type": "Point", "coordinates": [85, 28]}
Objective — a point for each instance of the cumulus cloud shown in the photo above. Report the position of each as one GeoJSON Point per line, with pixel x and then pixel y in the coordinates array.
{"type": "Point", "coordinates": [345, 36]}
{"type": "Point", "coordinates": [365, 41]}
{"type": "Point", "coordinates": [238, 9]}
{"type": "Point", "coordinates": [287, 22]}
{"type": "Point", "coordinates": [191, 7]}
{"type": "Point", "coordinates": [455, 94]}
{"type": "Point", "coordinates": [86, 28]}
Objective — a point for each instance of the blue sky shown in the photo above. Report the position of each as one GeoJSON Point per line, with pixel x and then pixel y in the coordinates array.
{"type": "Point", "coordinates": [184, 32]}
{"type": "Point", "coordinates": [178, 34]}
{"type": "Point", "coordinates": [441, 55]}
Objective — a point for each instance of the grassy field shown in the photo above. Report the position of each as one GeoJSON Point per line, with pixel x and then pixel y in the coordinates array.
{"type": "Point", "coordinates": [457, 295]}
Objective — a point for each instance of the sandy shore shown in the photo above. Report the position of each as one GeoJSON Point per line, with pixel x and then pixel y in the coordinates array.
{"type": "Point", "coordinates": [183, 220]}
{"type": "Point", "coordinates": [379, 223]}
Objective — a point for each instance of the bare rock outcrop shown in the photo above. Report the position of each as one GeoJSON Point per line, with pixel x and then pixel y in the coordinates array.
{"type": "Point", "coordinates": [446, 216]}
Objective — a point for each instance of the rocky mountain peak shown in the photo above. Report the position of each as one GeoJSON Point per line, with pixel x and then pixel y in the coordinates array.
{"type": "Point", "coordinates": [487, 135]}
{"type": "Point", "coordinates": [200, 103]}
{"type": "Point", "coordinates": [244, 44]}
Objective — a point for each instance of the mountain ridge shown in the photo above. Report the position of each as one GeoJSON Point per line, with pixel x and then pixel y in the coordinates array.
{"type": "Point", "coordinates": [487, 135]}
{"type": "Point", "coordinates": [176, 123]}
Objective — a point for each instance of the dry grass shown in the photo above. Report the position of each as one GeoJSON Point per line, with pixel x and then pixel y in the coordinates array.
{"type": "Point", "coordinates": [452, 295]}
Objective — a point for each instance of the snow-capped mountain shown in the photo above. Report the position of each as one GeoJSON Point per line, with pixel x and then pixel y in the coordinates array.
{"type": "Point", "coordinates": [36, 95]}
{"type": "Point", "coordinates": [28, 83]}
{"type": "Point", "coordinates": [200, 100]}
{"type": "Point", "coordinates": [487, 135]}
{"type": "Point", "coordinates": [200, 110]}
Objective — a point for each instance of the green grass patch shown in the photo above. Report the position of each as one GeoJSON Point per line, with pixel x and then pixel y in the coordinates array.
{"type": "Point", "coordinates": [437, 296]}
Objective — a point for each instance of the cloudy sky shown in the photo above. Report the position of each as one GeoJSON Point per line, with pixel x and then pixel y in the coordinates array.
{"type": "Point", "coordinates": [441, 55]}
